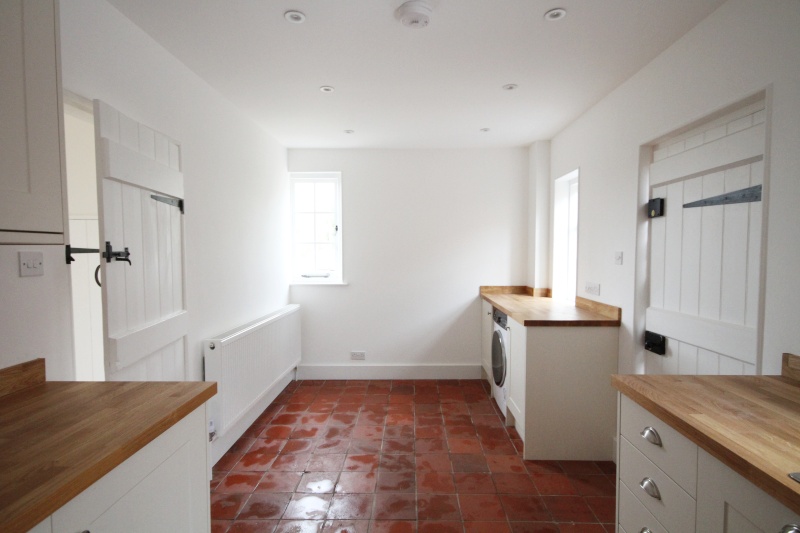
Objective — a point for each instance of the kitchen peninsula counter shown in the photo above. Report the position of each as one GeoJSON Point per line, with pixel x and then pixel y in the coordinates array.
{"type": "Point", "coordinates": [532, 307]}
{"type": "Point", "coordinates": [59, 438]}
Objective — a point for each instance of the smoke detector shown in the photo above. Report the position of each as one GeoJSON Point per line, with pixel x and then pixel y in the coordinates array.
{"type": "Point", "coordinates": [414, 14]}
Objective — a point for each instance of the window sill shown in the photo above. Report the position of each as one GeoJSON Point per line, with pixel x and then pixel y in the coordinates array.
{"type": "Point", "coordinates": [319, 283]}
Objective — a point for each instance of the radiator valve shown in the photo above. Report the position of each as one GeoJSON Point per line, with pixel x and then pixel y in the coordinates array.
{"type": "Point", "coordinates": [212, 431]}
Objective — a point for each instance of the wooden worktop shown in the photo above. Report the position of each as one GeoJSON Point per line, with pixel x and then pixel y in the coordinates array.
{"type": "Point", "coordinates": [525, 306]}
{"type": "Point", "coordinates": [58, 438]}
{"type": "Point", "coordinates": [750, 423]}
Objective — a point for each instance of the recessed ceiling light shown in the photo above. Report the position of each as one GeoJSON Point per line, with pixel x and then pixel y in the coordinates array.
{"type": "Point", "coordinates": [555, 14]}
{"type": "Point", "coordinates": [326, 89]}
{"type": "Point", "coordinates": [349, 131]}
{"type": "Point", "coordinates": [414, 14]}
{"type": "Point", "coordinates": [485, 130]}
{"type": "Point", "coordinates": [295, 17]}
{"type": "Point", "coordinates": [509, 86]}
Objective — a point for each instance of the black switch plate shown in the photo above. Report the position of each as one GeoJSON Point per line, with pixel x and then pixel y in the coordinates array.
{"type": "Point", "coordinates": [655, 208]}
{"type": "Point", "coordinates": [655, 343]}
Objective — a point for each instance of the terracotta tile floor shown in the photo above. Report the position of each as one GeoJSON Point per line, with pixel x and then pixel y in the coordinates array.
{"type": "Point", "coordinates": [399, 456]}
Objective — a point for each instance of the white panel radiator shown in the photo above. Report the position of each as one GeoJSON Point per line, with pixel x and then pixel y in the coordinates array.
{"type": "Point", "coordinates": [251, 364]}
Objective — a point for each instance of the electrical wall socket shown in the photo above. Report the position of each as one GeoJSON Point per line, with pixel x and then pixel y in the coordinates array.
{"type": "Point", "coordinates": [593, 288]}
{"type": "Point", "coordinates": [358, 356]}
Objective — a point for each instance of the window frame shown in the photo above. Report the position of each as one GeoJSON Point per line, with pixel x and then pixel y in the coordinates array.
{"type": "Point", "coordinates": [297, 276]}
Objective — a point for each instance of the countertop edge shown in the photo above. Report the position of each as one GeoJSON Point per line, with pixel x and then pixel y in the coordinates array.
{"type": "Point", "coordinates": [47, 504]}
{"type": "Point", "coordinates": [601, 321]}
{"type": "Point", "coordinates": [782, 490]}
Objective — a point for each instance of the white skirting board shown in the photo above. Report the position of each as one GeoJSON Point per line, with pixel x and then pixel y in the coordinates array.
{"type": "Point", "coordinates": [389, 371]}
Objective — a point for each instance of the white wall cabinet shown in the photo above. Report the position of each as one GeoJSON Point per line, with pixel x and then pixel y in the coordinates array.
{"type": "Point", "coordinates": [31, 176]}
{"type": "Point", "coordinates": [696, 492]}
{"type": "Point", "coordinates": [163, 487]}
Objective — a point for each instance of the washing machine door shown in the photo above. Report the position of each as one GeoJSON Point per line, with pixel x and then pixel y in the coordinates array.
{"type": "Point", "coordinates": [498, 358]}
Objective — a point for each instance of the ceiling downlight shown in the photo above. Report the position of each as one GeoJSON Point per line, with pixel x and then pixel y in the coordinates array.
{"type": "Point", "coordinates": [510, 87]}
{"type": "Point", "coordinates": [327, 89]}
{"type": "Point", "coordinates": [295, 17]}
{"type": "Point", "coordinates": [557, 13]}
{"type": "Point", "coordinates": [414, 14]}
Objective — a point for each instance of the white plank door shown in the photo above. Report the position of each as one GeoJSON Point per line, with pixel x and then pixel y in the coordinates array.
{"type": "Point", "coordinates": [705, 262]}
{"type": "Point", "coordinates": [143, 302]}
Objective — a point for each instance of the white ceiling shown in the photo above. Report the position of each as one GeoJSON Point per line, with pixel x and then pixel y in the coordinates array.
{"type": "Point", "coordinates": [400, 87]}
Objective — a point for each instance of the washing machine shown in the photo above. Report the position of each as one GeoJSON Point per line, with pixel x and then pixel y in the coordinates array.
{"type": "Point", "coordinates": [500, 352]}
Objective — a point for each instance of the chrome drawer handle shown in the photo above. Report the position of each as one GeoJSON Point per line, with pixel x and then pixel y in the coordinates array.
{"type": "Point", "coordinates": [650, 487]}
{"type": "Point", "coordinates": [651, 435]}
{"type": "Point", "coordinates": [790, 528]}
{"type": "Point", "coordinates": [645, 530]}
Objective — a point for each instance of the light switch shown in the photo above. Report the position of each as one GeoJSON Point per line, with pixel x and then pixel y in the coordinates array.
{"type": "Point", "coordinates": [31, 264]}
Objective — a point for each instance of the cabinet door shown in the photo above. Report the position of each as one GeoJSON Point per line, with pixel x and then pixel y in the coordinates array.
{"type": "Point", "coordinates": [163, 487]}
{"type": "Point", "coordinates": [30, 139]}
{"type": "Point", "coordinates": [728, 503]}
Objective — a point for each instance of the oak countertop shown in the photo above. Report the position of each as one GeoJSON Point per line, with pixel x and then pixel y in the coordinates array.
{"type": "Point", "coordinates": [58, 438]}
{"type": "Point", "coordinates": [519, 304]}
{"type": "Point", "coordinates": [750, 423]}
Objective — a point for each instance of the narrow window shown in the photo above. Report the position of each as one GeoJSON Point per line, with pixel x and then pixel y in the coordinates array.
{"type": "Point", "coordinates": [565, 237]}
{"type": "Point", "coordinates": [316, 200]}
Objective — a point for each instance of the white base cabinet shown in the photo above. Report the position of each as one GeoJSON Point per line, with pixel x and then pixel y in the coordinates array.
{"type": "Point", "coordinates": [163, 487]}
{"type": "Point", "coordinates": [695, 491]}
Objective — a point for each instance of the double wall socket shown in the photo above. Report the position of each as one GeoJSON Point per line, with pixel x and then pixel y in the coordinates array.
{"type": "Point", "coordinates": [592, 288]}
{"type": "Point", "coordinates": [358, 356]}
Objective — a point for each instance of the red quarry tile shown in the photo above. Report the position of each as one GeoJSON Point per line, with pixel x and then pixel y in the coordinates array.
{"type": "Point", "coordinates": [288, 419]}
{"type": "Point", "coordinates": [227, 461]}
{"type": "Point", "coordinates": [457, 420]}
{"type": "Point", "coordinates": [318, 482]}
{"type": "Point", "coordinates": [365, 446]}
{"type": "Point", "coordinates": [440, 527]}
{"type": "Point", "coordinates": [264, 506]}
{"type": "Point", "coordinates": [367, 432]}
{"type": "Point", "coordinates": [351, 507]}
{"type": "Point", "coordinates": [396, 463]}
{"type": "Point", "coordinates": [498, 447]}
{"type": "Point", "coordinates": [525, 508]}
{"type": "Point", "coordinates": [429, 432]}
{"type": "Point", "coordinates": [554, 484]}
{"type": "Point", "coordinates": [216, 478]}
{"type": "Point", "coordinates": [361, 462]}
{"type": "Point", "coordinates": [455, 409]}
{"type": "Point", "coordinates": [435, 482]}
{"type": "Point", "coordinates": [426, 409]}
{"type": "Point", "coordinates": [474, 483]}
{"type": "Point", "coordinates": [337, 432]}
{"type": "Point", "coordinates": [505, 463]}
{"type": "Point", "coordinates": [487, 527]}
{"type": "Point", "coordinates": [356, 482]}
{"type": "Point", "coordinates": [307, 431]}
{"type": "Point", "coordinates": [491, 433]}
{"type": "Point", "coordinates": [464, 445]}
{"type": "Point", "coordinates": [392, 526]}
{"type": "Point", "coordinates": [430, 446]}
{"type": "Point", "coordinates": [395, 506]}
{"type": "Point", "coordinates": [332, 445]}
{"type": "Point", "coordinates": [401, 398]}
{"type": "Point", "coordinates": [253, 526]}
{"type": "Point", "coordinates": [398, 432]}
{"type": "Point", "coordinates": [398, 445]}
{"type": "Point", "coordinates": [580, 467]}
{"type": "Point", "coordinates": [295, 446]}
{"type": "Point", "coordinates": [220, 526]}
{"type": "Point", "coordinates": [544, 467]}
{"type": "Point", "coordinates": [438, 507]}
{"type": "Point", "coordinates": [534, 527]}
{"type": "Point", "coordinates": [607, 467]}
{"type": "Point", "coordinates": [299, 526]}
{"type": "Point", "coordinates": [400, 419]}
{"type": "Point", "coordinates": [367, 418]}
{"type": "Point", "coordinates": [460, 431]}
{"type": "Point", "coordinates": [398, 387]}
{"type": "Point", "coordinates": [279, 482]}
{"type": "Point", "coordinates": [518, 445]}
{"type": "Point", "coordinates": [342, 419]}
{"type": "Point", "coordinates": [484, 507]}
{"type": "Point", "coordinates": [376, 399]}
{"type": "Point", "coordinates": [226, 506]}
{"type": "Point", "coordinates": [267, 446]}
{"type": "Point", "coordinates": [396, 482]}
{"type": "Point", "coordinates": [568, 508]}
{"type": "Point", "coordinates": [325, 462]}
{"type": "Point", "coordinates": [581, 528]}
{"type": "Point", "coordinates": [290, 463]}
{"type": "Point", "coordinates": [294, 408]}
{"type": "Point", "coordinates": [431, 419]}
{"type": "Point", "coordinates": [433, 462]}
{"type": "Point", "coordinates": [469, 463]}
{"type": "Point", "coordinates": [307, 507]}
{"type": "Point", "coordinates": [240, 482]}
{"type": "Point", "coordinates": [255, 462]}
{"type": "Point", "coordinates": [276, 432]}
{"type": "Point", "coordinates": [243, 444]}
{"type": "Point", "coordinates": [604, 508]}
{"type": "Point", "coordinates": [346, 526]}
{"type": "Point", "coordinates": [487, 421]}
{"type": "Point", "coordinates": [589, 485]}
{"type": "Point", "coordinates": [509, 483]}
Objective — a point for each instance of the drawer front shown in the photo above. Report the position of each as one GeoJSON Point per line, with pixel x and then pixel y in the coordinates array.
{"type": "Point", "coordinates": [633, 516]}
{"type": "Point", "coordinates": [675, 509]}
{"type": "Point", "coordinates": [676, 456]}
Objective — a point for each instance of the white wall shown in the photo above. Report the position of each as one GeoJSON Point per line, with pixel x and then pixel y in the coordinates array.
{"type": "Point", "coordinates": [741, 49]}
{"type": "Point", "coordinates": [539, 198]}
{"type": "Point", "coordinates": [422, 230]}
{"type": "Point", "coordinates": [235, 174]}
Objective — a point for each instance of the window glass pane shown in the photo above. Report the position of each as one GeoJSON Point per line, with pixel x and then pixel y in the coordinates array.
{"type": "Point", "coordinates": [304, 228]}
{"type": "Point", "coordinates": [304, 258]}
{"type": "Point", "coordinates": [326, 227]}
{"type": "Point", "coordinates": [326, 257]}
{"type": "Point", "coordinates": [326, 197]}
{"type": "Point", "coordinates": [304, 197]}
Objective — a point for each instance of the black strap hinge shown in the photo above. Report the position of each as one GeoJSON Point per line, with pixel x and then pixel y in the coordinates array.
{"type": "Point", "coordinates": [177, 202]}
